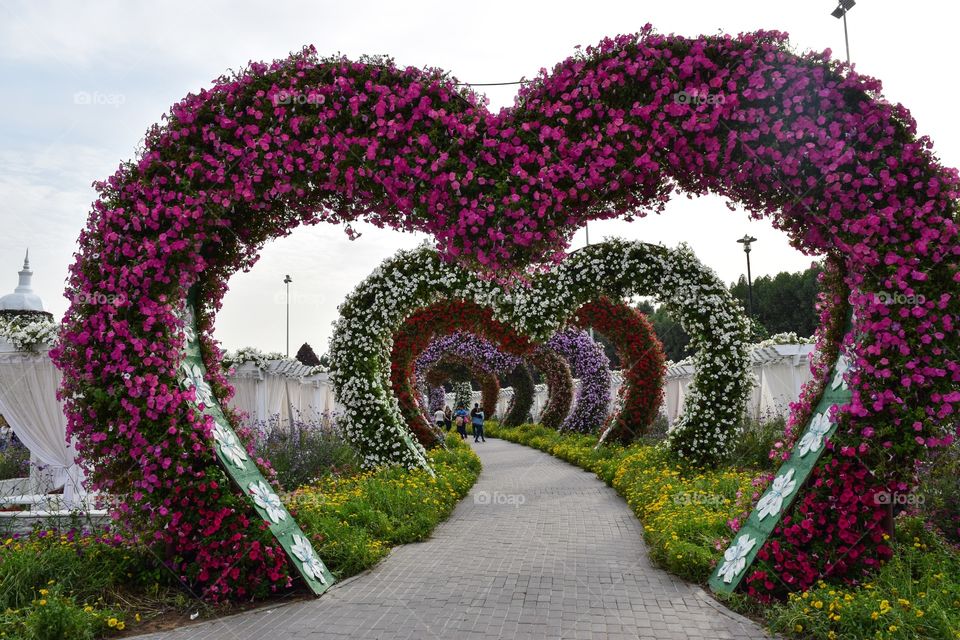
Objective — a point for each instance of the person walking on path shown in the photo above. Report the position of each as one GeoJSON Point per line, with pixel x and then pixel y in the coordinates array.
{"type": "Point", "coordinates": [460, 418]}
{"type": "Point", "coordinates": [439, 419]}
{"type": "Point", "coordinates": [447, 418]}
{"type": "Point", "coordinates": [477, 417]}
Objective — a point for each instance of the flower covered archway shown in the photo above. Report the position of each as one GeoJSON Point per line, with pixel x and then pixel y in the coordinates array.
{"type": "Point", "coordinates": [611, 131]}
{"type": "Point", "coordinates": [441, 297]}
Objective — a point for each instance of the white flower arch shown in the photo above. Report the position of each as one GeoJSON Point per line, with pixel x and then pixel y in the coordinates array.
{"type": "Point", "coordinates": [362, 340]}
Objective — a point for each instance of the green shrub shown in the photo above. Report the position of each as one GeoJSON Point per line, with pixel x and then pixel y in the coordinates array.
{"type": "Point", "coordinates": [940, 489]}
{"type": "Point", "coordinates": [756, 440]}
{"type": "Point", "coordinates": [54, 616]}
{"type": "Point", "coordinates": [304, 451]}
{"type": "Point", "coordinates": [14, 460]}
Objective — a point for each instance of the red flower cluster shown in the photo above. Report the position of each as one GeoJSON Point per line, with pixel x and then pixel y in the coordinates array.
{"type": "Point", "coordinates": [642, 359]}
{"type": "Point", "coordinates": [836, 529]}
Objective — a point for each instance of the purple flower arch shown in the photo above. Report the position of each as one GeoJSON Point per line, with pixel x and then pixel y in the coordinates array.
{"type": "Point", "coordinates": [468, 346]}
{"type": "Point", "coordinates": [458, 369]}
{"type": "Point", "coordinates": [590, 364]}
{"type": "Point", "coordinates": [609, 132]}
{"type": "Point", "coordinates": [485, 356]}
{"type": "Point", "coordinates": [436, 398]}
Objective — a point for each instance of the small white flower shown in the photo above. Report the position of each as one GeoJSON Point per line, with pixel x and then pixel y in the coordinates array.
{"type": "Point", "coordinates": [735, 558]}
{"type": "Point", "coordinates": [771, 503]}
{"type": "Point", "coordinates": [812, 440]}
{"type": "Point", "coordinates": [266, 499]}
{"type": "Point", "coordinates": [304, 552]}
{"type": "Point", "coordinates": [230, 447]}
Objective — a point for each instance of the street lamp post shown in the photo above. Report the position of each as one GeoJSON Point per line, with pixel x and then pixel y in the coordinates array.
{"type": "Point", "coordinates": [586, 228]}
{"type": "Point", "coordinates": [287, 280]}
{"type": "Point", "coordinates": [841, 12]}
{"type": "Point", "coordinates": [746, 240]}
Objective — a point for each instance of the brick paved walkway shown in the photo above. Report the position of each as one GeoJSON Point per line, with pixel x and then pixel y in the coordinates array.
{"type": "Point", "coordinates": [539, 549]}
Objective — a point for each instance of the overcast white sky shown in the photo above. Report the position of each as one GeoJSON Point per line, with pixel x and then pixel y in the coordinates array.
{"type": "Point", "coordinates": [131, 60]}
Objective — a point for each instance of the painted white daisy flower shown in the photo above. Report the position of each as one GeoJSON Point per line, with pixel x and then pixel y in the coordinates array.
{"type": "Point", "coordinates": [304, 552]}
{"type": "Point", "coordinates": [266, 499]}
{"type": "Point", "coordinates": [735, 558]}
{"type": "Point", "coordinates": [193, 377]}
{"type": "Point", "coordinates": [771, 503]}
{"type": "Point", "coordinates": [230, 447]}
{"type": "Point", "coordinates": [843, 365]}
{"type": "Point", "coordinates": [812, 440]}
{"type": "Point", "coordinates": [189, 333]}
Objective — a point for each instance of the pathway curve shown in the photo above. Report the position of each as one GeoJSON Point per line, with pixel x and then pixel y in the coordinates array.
{"type": "Point", "coordinates": [539, 549]}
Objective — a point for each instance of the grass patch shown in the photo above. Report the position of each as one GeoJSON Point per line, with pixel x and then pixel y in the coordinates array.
{"type": "Point", "coordinates": [914, 595]}
{"type": "Point", "coordinates": [56, 585]}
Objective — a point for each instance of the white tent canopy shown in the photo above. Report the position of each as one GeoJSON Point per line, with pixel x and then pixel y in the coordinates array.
{"type": "Point", "coordinates": [779, 372]}
{"type": "Point", "coordinates": [28, 401]}
{"type": "Point", "coordinates": [283, 388]}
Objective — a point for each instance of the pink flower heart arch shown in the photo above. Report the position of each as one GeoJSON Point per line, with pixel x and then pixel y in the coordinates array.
{"type": "Point", "coordinates": [611, 131]}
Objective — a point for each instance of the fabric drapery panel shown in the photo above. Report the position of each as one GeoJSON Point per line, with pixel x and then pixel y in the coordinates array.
{"type": "Point", "coordinates": [616, 381]}
{"type": "Point", "coordinates": [674, 394]}
{"type": "Point", "coordinates": [292, 406]}
{"type": "Point", "coordinates": [275, 397]}
{"type": "Point", "coordinates": [245, 397]}
{"type": "Point", "coordinates": [28, 401]}
{"type": "Point", "coordinates": [503, 402]}
{"type": "Point", "coordinates": [321, 405]}
{"type": "Point", "coordinates": [541, 394]}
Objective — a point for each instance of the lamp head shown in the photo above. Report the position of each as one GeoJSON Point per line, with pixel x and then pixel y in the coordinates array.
{"type": "Point", "coordinates": [746, 240]}
{"type": "Point", "coordinates": [843, 8]}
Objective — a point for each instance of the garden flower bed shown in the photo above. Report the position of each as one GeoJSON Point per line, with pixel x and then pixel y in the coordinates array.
{"type": "Point", "coordinates": [69, 585]}
{"type": "Point", "coordinates": [687, 513]}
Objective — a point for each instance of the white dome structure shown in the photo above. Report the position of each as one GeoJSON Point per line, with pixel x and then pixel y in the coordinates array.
{"type": "Point", "coordinates": [23, 298]}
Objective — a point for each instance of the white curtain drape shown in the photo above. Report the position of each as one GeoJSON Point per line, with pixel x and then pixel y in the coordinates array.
{"type": "Point", "coordinates": [292, 406]}
{"type": "Point", "coordinates": [275, 396]}
{"type": "Point", "coordinates": [28, 401]}
{"type": "Point", "coordinates": [503, 401]}
{"type": "Point", "coordinates": [245, 397]}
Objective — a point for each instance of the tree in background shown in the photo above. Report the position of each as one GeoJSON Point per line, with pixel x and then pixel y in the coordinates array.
{"type": "Point", "coordinates": [784, 302]}
{"type": "Point", "coordinates": [781, 303]}
{"type": "Point", "coordinates": [671, 334]}
{"type": "Point", "coordinates": [306, 356]}
{"type": "Point", "coordinates": [675, 340]}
